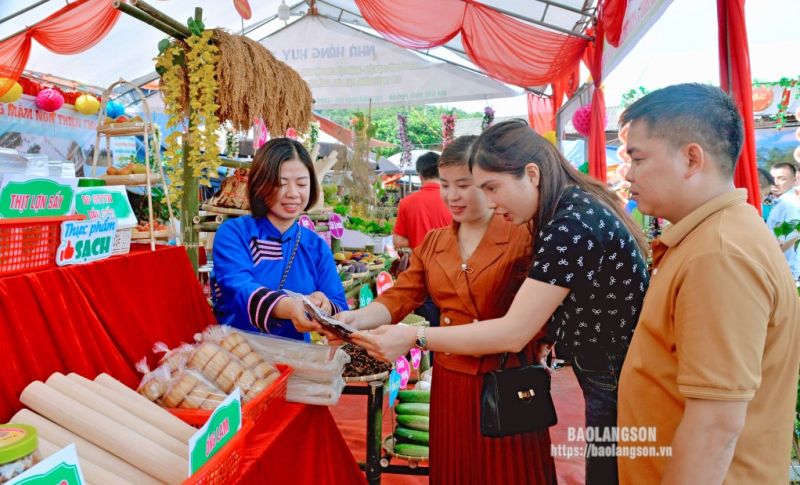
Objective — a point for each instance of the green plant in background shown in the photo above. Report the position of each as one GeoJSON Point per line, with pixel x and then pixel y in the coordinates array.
{"type": "Point", "coordinates": [312, 137]}
{"type": "Point", "coordinates": [424, 125]}
{"type": "Point", "coordinates": [330, 193]}
{"type": "Point", "coordinates": [160, 209]}
{"type": "Point", "coordinates": [787, 230]}
{"type": "Point", "coordinates": [368, 226]}
{"type": "Point", "coordinates": [631, 96]}
{"type": "Point", "coordinates": [231, 144]}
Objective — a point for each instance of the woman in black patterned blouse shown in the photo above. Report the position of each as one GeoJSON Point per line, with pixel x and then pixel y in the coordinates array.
{"type": "Point", "coordinates": [586, 282]}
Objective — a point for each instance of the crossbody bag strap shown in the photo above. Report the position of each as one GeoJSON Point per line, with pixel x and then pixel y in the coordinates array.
{"type": "Point", "coordinates": [291, 259]}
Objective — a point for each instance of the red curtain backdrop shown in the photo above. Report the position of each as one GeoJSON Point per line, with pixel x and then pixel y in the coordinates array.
{"type": "Point", "coordinates": [504, 48]}
{"type": "Point", "coordinates": [97, 317]}
{"type": "Point", "coordinates": [71, 30]}
{"type": "Point", "coordinates": [597, 133]}
{"type": "Point", "coordinates": [734, 70]}
{"type": "Point", "coordinates": [566, 86]}
{"type": "Point", "coordinates": [613, 17]}
{"type": "Point", "coordinates": [541, 116]}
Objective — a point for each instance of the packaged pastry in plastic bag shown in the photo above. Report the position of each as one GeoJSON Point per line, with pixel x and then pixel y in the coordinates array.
{"type": "Point", "coordinates": [237, 344]}
{"type": "Point", "coordinates": [311, 392]}
{"type": "Point", "coordinates": [176, 358]}
{"type": "Point", "coordinates": [319, 363]}
{"type": "Point", "coordinates": [153, 383]}
{"type": "Point", "coordinates": [228, 372]}
{"type": "Point", "coordinates": [188, 389]}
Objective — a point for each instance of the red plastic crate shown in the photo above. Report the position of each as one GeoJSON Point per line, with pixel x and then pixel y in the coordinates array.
{"type": "Point", "coordinates": [30, 243]}
{"type": "Point", "coordinates": [252, 411]}
{"type": "Point", "coordinates": [223, 467]}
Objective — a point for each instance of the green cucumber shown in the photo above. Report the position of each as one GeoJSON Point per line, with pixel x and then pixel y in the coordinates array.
{"type": "Point", "coordinates": [412, 435]}
{"type": "Point", "coordinates": [416, 451]}
{"type": "Point", "coordinates": [415, 408]}
{"type": "Point", "coordinates": [414, 396]}
{"type": "Point", "coordinates": [414, 422]}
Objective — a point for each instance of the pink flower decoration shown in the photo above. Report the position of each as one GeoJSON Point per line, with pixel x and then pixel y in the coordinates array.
{"type": "Point", "coordinates": [582, 120]}
{"type": "Point", "coordinates": [49, 100]}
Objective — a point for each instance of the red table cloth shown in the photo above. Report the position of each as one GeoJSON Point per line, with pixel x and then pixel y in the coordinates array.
{"type": "Point", "coordinates": [97, 317]}
{"type": "Point", "coordinates": [298, 444]}
{"type": "Point", "coordinates": [105, 316]}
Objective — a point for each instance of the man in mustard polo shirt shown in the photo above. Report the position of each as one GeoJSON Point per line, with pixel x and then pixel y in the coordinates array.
{"type": "Point", "coordinates": [713, 364]}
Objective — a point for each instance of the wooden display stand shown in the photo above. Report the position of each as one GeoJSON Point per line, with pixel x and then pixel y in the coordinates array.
{"type": "Point", "coordinates": [145, 129]}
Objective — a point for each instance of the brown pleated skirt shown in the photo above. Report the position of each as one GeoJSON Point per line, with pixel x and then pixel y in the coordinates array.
{"type": "Point", "coordinates": [461, 455]}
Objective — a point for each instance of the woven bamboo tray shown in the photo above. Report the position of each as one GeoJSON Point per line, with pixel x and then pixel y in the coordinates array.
{"type": "Point", "coordinates": [374, 377]}
{"type": "Point", "coordinates": [413, 461]}
{"type": "Point", "coordinates": [225, 210]}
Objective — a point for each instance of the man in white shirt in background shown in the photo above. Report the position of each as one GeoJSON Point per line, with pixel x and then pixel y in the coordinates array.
{"type": "Point", "coordinates": [786, 208]}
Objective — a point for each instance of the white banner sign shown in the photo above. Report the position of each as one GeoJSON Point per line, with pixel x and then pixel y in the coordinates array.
{"type": "Point", "coordinates": [640, 15]}
{"type": "Point", "coordinates": [347, 68]}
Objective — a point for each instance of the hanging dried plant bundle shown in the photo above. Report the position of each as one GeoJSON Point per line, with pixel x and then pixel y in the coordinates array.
{"type": "Point", "coordinates": [255, 84]}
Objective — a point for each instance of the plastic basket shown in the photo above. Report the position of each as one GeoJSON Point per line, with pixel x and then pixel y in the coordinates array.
{"type": "Point", "coordinates": [252, 411]}
{"type": "Point", "coordinates": [122, 241]}
{"type": "Point", "coordinates": [224, 466]}
{"type": "Point", "coordinates": [30, 243]}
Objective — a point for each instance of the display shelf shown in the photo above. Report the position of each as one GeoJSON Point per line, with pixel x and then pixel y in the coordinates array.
{"type": "Point", "coordinates": [139, 235]}
{"type": "Point", "coordinates": [146, 129]}
{"type": "Point", "coordinates": [125, 129]}
{"type": "Point", "coordinates": [130, 180]}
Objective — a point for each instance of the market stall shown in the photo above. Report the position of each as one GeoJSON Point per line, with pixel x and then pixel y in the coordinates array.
{"type": "Point", "coordinates": [103, 328]}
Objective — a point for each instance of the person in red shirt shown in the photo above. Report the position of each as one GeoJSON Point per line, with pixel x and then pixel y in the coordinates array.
{"type": "Point", "coordinates": [421, 211]}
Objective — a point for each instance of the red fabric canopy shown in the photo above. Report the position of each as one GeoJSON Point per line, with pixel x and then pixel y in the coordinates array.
{"type": "Point", "coordinates": [541, 116]}
{"type": "Point", "coordinates": [613, 17]}
{"type": "Point", "coordinates": [70, 30]}
{"type": "Point", "coordinates": [504, 48]}
{"type": "Point", "coordinates": [597, 133]}
{"type": "Point", "coordinates": [734, 76]}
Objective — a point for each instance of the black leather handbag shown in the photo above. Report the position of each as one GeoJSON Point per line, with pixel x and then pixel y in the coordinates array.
{"type": "Point", "coordinates": [516, 400]}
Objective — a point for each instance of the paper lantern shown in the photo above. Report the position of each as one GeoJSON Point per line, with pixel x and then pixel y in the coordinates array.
{"type": "Point", "coordinates": [87, 104]}
{"type": "Point", "coordinates": [582, 120]}
{"type": "Point", "coordinates": [797, 113]}
{"type": "Point", "coordinates": [797, 133]}
{"type": "Point", "coordinates": [797, 154]}
{"type": "Point", "coordinates": [12, 94]}
{"type": "Point", "coordinates": [114, 109]}
{"type": "Point", "coordinates": [49, 100]}
{"type": "Point", "coordinates": [551, 137]}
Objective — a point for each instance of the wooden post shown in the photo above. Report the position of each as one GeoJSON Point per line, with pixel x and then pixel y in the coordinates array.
{"type": "Point", "coordinates": [148, 19]}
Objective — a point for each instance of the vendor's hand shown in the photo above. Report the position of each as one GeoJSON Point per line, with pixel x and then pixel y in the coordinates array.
{"type": "Point", "coordinates": [543, 349]}
{"type": "Point", "coordinates": [319, 300]}
{"type": "Point", "coordinates": [348, 317]}
{"type": "Point", "coordinates": [292, 309]}
{"type": "Point", "coordinates": [388, 342]}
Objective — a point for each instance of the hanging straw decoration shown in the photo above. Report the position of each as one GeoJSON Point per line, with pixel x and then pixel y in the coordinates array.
{"type": "Point", "coordinates": [255, 84]}
{"type": "Point", "coordinates": [402, 134]}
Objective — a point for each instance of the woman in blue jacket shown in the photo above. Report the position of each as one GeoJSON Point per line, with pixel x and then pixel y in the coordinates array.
{"type": "Point", "coordinates": [257, 257]}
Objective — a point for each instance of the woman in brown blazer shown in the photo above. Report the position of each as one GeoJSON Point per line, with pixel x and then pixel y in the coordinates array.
{"type": "Point", "coordinates": [471, 270]}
